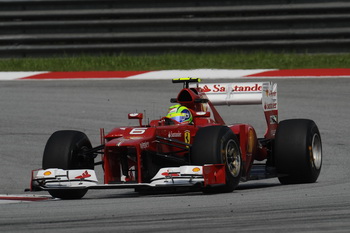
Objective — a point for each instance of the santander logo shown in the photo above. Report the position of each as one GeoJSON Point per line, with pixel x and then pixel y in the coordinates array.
{"type": "Point", "coordinates": [221, 88]}
{"type": "Point", "coordinates": [270, 106]}
{"type": "Point", "coordinates": [216, 88]}
{"type": "Point", "coordinates": [83, 176]}
{"type": "Point", "coordinates": [206, 89]}
{"type": "Point", "coordinates": [254, 88]}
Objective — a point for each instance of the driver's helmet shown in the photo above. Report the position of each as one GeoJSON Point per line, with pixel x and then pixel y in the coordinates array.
{"type": "Point", "coordinates": [180, 114]}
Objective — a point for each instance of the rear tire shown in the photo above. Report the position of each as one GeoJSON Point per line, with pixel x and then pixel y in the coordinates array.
{"type": "Point", "coordinates": [63, 151]}
{"type": "Point", "coordinates": [298, 151]}
{"type": "Point", "coordinates": [218, 145]}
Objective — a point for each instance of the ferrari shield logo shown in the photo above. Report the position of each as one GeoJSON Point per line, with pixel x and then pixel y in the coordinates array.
{"type": "Point", "coordinates": [187, 136]}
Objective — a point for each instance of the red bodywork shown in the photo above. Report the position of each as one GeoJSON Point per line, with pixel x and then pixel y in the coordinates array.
{"type": "Point", "coordinates": [126, 147]}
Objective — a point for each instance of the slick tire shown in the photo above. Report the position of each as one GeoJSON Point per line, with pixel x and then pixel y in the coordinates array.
{"type": "Point", "coordinates": [218, 145]}
{"type": "Point", "coordinates": [298, 151]}
{"type": "Point", "coordinates": [63, 150]}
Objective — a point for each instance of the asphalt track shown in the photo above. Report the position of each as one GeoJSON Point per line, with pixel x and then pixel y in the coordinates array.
{"type": "Point", "coordinates": [32, 110]}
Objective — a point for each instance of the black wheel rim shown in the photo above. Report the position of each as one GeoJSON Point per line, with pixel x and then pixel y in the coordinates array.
{"type": "Point", "coordinates": [232, 158]}
{"type": "Point", "coordinates": [316, 151]}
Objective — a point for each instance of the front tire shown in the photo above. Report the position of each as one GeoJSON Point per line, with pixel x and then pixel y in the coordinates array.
{"type": "Point", "coordinates": [298, 151]}
{"type": "Point", "coordinates": [218, 145]}
{"type": "Point", "coordinates": [63, 151]}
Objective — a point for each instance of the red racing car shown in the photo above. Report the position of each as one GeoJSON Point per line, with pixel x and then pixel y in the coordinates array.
{"type": "Point", "coordinates": [191, 147]}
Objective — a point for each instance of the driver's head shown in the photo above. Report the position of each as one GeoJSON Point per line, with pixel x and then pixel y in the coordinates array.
{"type": "Point", "coordinates": [180, 114]}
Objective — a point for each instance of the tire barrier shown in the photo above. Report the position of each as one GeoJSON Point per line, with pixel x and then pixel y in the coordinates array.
{"type": "Point", "coordinates": [59, 27]}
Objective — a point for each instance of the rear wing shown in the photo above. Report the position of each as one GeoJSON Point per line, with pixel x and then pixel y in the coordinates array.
{"type": "Point", "coordinates": [240, 93]}
{"type": "Point", "coordinates": [245, 93]}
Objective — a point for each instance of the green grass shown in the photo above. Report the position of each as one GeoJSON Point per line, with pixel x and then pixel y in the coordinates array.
{"type": "Point", "coordinates": [178, 61]}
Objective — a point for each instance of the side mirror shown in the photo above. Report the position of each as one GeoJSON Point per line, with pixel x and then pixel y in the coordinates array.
{"type": "Point", "coordinates": [202, 114]}
{"type": "Point", "coordinates": [136, 116]}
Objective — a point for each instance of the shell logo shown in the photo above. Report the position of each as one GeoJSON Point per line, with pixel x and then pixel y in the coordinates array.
{"type": "Point", "coordinates": [251, 141]}
{"type": "Point", "coordinates": [47, 173]}
{"type": "Point", "coordinates": [196, 169]}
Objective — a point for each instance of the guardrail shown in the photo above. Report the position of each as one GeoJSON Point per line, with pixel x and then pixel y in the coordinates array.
{"type": "Point", "coordinates": [60, 27]}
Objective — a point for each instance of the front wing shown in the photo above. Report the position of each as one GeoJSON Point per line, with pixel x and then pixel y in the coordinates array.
{"type": "Point", "coordinates": [184, 176]}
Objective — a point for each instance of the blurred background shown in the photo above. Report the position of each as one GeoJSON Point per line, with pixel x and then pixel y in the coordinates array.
{"type": "Point", "coordinates": [74, 27]}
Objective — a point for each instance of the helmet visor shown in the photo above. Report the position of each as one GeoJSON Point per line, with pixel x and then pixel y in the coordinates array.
{"type": "Point", "coordinates": [179, 117]}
